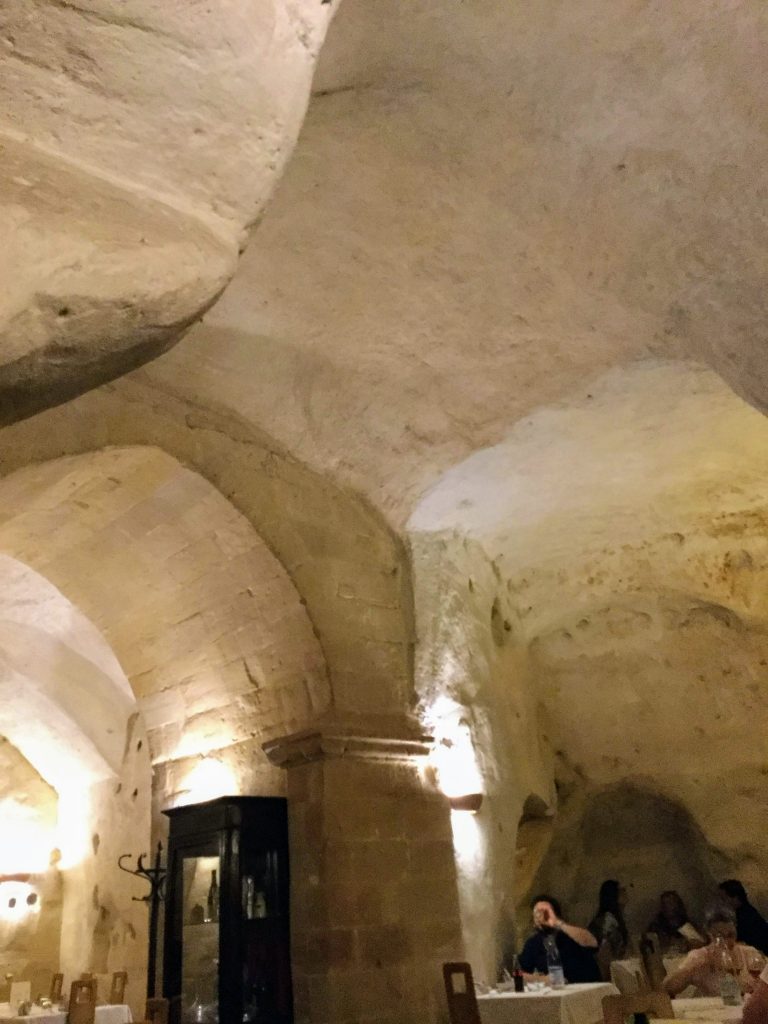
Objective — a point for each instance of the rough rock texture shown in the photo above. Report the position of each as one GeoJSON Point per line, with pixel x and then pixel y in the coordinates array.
{"type": "Point", "coordinates": [606, 587]}
{"type": "Point", "coordinates": [80, 795]}
{"type": "Point", "coordinates": [138, 141]}
{"type": "Point", "coordinates": [461, 369]}
{"type": "Point", "coordinates": [226, 650]}
{"type": "Point", "coordinates": [30, 937]}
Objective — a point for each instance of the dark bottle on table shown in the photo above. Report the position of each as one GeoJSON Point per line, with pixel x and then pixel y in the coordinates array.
{"type": "Point", "coordinates": [212, 903]}
{"type": "Point", "coordinates": [517, 975]}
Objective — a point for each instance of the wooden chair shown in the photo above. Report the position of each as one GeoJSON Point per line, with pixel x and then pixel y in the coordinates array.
{"type": "Point", "coordinates": [157, 1011]}
{"type": "Point", "coordinates": [655, 971]}
{"type": "Point", "coordinates": [604, 959]}
{"type": "Point", "coordinates": [460, 991]}
{"type": "Point", "coordinates": [117, 991]}
{"type": "Point", "coordinates": [616, 1009]}
{"type": "Point", "coordinates": [57, 984]}
{"type": "Point", "coordinates": [82, 1001]}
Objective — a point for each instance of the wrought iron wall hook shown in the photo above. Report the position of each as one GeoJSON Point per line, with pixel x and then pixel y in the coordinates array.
{"type": "Point", "coordinates": [156, 877]}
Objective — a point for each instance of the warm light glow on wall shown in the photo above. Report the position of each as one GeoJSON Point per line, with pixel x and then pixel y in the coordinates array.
{"type": "Point", "coordinates": [208, 780]}
{"type": "Point", "coordinates": [468, 843]}
{"type": "Point", "coordinates": [73, 836]}
{"type": "Point", "coordinates": [453, 756]}
{"type": "Point", "coordinates": [26, 845]}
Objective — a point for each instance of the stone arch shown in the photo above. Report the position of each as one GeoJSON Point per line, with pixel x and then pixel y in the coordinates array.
{"type": "Point", "coordinates": [213, 636]}
{"type": "Point", "coordinates": [68, 712]}
{"type": "Point", "coordinates": [350, 567]}
{"type": "Point", "coordinates": [623, 541]}
{"type": "Point", "coordinates": [64, 701]}
{"type": "Point", "coordinates": [632, 832]}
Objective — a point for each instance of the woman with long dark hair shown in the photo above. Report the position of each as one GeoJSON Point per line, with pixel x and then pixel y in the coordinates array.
{"type": "Point", "coordinates": [676, 933]}
{"type": "Point", "coordinates": [608, 925]}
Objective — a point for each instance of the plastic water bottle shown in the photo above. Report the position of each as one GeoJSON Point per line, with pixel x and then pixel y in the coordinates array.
{"type": "Point", "coordinates": [730, 990]}
{"type": "Point", "coordinates": [554, 963]}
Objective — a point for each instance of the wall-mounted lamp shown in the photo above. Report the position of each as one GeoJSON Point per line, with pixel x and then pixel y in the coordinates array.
{"type": "Point", "coordinates": [17, 897]}
{"type": "Point", "coordinates": [471, 802]}
{"type": "Point", "coordinates": [453, 760]}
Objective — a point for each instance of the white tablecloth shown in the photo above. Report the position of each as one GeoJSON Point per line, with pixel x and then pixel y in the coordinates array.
{"type": "Point", "coordinates": [624, 972]}
{"type": "Point", "coordinates": [705, 1010]}
{"type": "Point", "coordinates": [104, 1015]}
{"type": "Point", "coordinates": [574, 1004]}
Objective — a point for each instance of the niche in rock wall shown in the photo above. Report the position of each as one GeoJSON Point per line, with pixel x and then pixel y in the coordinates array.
{"type": "Point", "coordinates": [534, 834]}
{"type": "Point", "coordinates": [629, 832]}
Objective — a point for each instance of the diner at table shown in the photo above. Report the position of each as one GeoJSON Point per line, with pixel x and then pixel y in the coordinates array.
{"type": "Point", "coordinates": [672, 926]}
{"type": "Point", "coordinates": [703, 968]}
{"type": "Point", "coordinates": [575, 945]}
{"type": "Point", "coordinates": [710, 978]}
{"type": "Point", "coordinates": [608, 925]}
{"type": "Point", "coordinates": [751, 926]}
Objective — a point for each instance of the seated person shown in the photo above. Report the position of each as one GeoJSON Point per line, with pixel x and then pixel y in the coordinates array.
{"type": "Point", "coordinates": [756, 1007]}
{"type": "Point", "coordinates": [672, 926]}
{"type": "Point", "coordinates": [751, 926]}
{"type": "Point", "coordinates": [576, 945]}
{"type": "Point", "coordinates": [608, 925]}
{"type": "Point", "coordinates": [701, 967]}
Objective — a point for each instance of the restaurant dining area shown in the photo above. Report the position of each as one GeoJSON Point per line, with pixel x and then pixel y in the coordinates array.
{"type": "Point", "coordinates": [566, 974]}
{"type": "Point", "coordinates": [383, 512]}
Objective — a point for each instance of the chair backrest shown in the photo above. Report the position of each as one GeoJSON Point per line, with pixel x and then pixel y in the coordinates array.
{"type": "Point", "coordinates": [57, 984]}
{"type": "Point", "coordinates": [655, 971]}
{"type": "Point", "coordinates": [117, 991]}
{"type": "Point", "coordinates": [157, 1011]}
{"type": "Point", "coordinates": [460, 992]}
{"type": "Point", "coordinates": [604, 958]}
{"type": "Point", "coordinates": [616, 1009]}
{"type": "Point", "coordinates": [82, 1001]}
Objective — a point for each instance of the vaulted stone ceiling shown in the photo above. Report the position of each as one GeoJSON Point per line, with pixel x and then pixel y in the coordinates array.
{"type": "Point", "coordinates": [138, 142]}
{"type": "Point", "coordinates": [481, 324]}
{"type": "Point", "coordinates": [490, 205]}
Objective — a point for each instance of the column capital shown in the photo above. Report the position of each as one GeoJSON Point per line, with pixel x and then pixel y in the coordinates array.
{"type": "Point", "coordinates": [336, 741]}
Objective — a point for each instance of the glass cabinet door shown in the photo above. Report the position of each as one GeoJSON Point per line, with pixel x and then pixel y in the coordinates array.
{"type": "Point", "coordinates": [200, 943]}
{"type": "Point", "coordinates": [197, 909]}
{"type": "Point", "coordinates": [267, 996]}
{"type": "Point", "coordinates": [227, 942]}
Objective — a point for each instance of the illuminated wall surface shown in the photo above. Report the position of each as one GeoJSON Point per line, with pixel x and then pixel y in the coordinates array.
{"type": "Point", "coordinates": [372, 372]}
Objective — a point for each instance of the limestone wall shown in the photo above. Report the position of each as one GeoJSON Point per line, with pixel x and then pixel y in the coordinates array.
{"type": "Point", "coordinates": [206, 625]}
{"type": "Point", "coordinates": [30, 933]}
{"type": "Point", "coordinates": [347, 564]}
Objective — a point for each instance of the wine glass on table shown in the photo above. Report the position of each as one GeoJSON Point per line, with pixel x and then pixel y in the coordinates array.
{"type": "Point", "coordinates": [755, 964]}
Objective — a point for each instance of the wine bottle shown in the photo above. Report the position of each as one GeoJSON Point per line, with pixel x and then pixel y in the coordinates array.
{"type": "Point", "coordinates": [212, 905]}
{"type": "Point", "coordinates": [517, 975]}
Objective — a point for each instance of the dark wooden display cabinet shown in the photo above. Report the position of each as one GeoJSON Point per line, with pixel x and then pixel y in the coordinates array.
{"type": "Point", "coordinates": [227, 944]}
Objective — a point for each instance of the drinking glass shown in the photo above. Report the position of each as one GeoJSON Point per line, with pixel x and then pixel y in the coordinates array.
{"type": "Point", "coordinates": [755, 964]}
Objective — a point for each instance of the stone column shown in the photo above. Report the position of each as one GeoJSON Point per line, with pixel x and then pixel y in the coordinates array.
{"type": "Point", "coordinates": [373, 880]}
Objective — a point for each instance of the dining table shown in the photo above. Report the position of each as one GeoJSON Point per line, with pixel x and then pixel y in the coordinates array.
{"type": "Point", "coordinates": [572, 1004]}
{"type": "Point", "coordinates": [107, 1014]}
{"type": "Point", "coordinates": [625, 973]}
{"type": "Point", "coordinates": [706, 1010]}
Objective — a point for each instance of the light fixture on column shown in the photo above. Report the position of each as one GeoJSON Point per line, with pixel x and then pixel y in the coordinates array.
{"type": "Point", "coordinates": [466, 802]}
{"type": "Point", "coordinates": [453, 757]}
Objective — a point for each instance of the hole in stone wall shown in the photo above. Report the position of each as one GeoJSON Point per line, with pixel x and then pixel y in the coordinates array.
{"type": "Point", "coordinates": [501, 628]}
